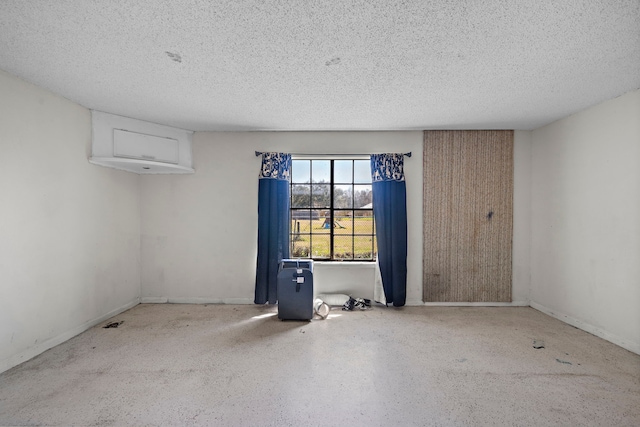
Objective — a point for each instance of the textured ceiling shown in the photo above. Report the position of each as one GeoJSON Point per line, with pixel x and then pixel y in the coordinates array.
{"type": "Point", "coordinates": [327, 65]}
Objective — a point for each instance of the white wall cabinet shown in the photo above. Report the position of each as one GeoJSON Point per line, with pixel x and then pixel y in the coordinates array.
{"type": "Point", "coordinates": [139, 147]}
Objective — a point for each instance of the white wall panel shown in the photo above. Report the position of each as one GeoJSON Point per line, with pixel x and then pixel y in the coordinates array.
{"type": "Point", "coordinates": [586, 220]}
{"type": "Point", "coordinates": [69, 230]}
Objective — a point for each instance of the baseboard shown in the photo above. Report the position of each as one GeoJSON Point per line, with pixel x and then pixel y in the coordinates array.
{"type": "Point", "coordinates": [470, 304]}
{"type": "Point", "coordinates": [153, 300]}
{"type": "Point", "coordinates": [39, 348]}
{"type": "Point", "coordinates": [626, 344]}
{"type": "Point", "coordinates": [194, 300]}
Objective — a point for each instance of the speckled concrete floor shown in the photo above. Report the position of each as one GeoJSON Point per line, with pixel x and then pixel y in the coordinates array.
{"type": "Point", "coordinates": [222, 365]}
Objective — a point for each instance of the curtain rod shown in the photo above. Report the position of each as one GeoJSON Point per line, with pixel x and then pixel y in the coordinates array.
{"type": "Point", "coordinates": [258, 153]}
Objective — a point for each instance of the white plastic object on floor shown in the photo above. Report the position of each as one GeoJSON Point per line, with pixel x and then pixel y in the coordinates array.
{"type": "Point", "coordinates": [321, 308]}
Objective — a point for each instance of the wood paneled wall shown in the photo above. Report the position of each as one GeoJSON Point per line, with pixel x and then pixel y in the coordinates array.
{"type": "Point", "coordinates": [468, 216]}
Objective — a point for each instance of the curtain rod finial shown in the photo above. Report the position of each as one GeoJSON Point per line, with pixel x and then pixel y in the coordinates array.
{"type": "Point", "coordinates": [258, 153]}
{"type": "Point", "coordinates": [408, 154]}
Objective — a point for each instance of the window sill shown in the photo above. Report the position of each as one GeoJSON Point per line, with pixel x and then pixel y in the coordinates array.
{"type": "Point", "coordinates": [345, 263]}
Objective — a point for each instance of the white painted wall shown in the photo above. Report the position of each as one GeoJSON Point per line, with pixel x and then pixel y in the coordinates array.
{"type": "Point", "coordinates": [356, 279]}
{"type": "Point", "coordinates": [69, 230]}
{"type": "Point", "coordinates": [585, 252]}
{"type": "Point", "coordinates": [199, 232]}
{"type": "Point", "coordinates": [521, 250]}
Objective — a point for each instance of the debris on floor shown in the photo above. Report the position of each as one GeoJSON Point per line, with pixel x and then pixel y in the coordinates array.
{"type": "Point", "coordinates": [113, 324]}
{"type": "Point", "coordinates": [538, 344]}
{"type": "Point", "coordinates": [360, 303]}
{"type": "Point", "coordinates": [564, 361]}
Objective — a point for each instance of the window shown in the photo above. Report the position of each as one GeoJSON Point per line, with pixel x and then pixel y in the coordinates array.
{"type": "Point", "coordinates": [331, 210]}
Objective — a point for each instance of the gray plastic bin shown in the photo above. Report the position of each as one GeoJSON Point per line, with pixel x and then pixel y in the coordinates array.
{"type": "Point", "coordinates": [295, 289]}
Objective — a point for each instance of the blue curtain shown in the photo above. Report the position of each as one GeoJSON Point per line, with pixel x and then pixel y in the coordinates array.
{"type": "Point", "coordinates": [273, 223]}
{"type": "Point", "coordinates": [390, 213]}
